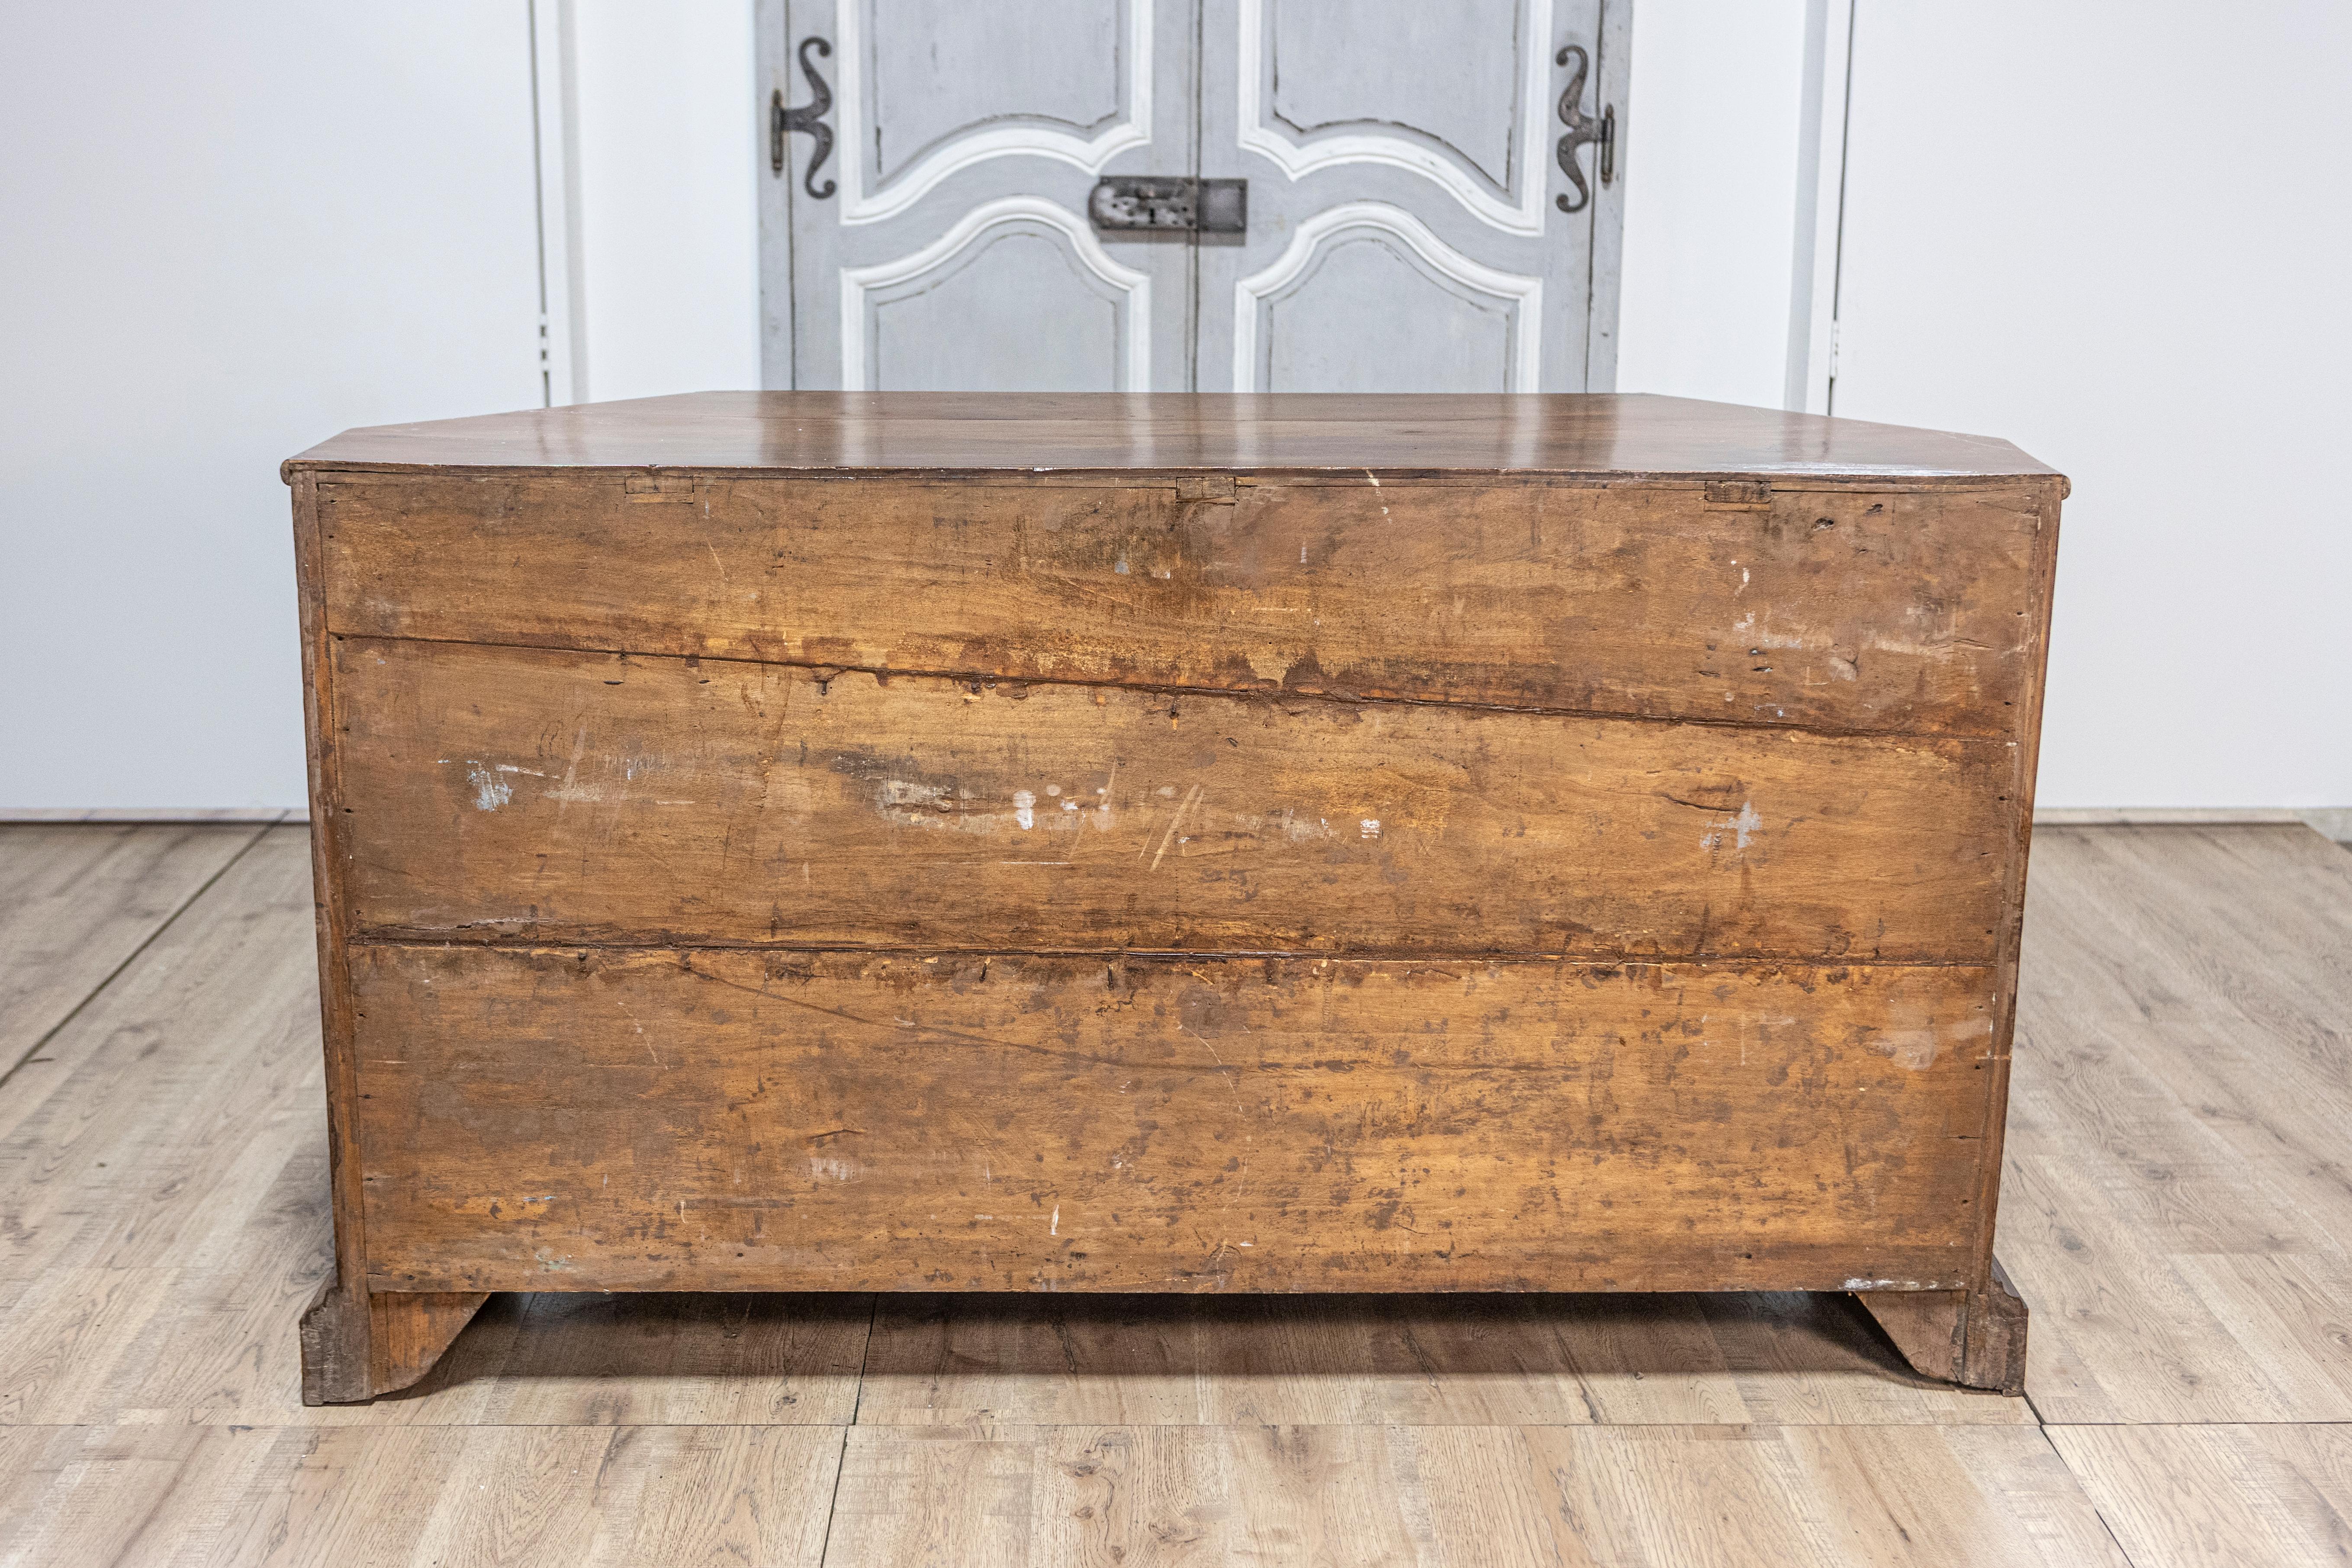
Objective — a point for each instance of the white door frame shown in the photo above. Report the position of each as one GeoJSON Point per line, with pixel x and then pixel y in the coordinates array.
{"type": "Point", "coordinates": [555, 156]}
{"type": "Point", "coordinates": [1821, 203]}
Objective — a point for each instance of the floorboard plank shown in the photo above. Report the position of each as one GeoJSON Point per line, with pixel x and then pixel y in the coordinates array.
{"type": "Point", "coordinates": [160, 1120]}
{"type": "Point", "coordinates": [480, 1497]}
{"type": "Point", "coordinates": [1415, 1361]}
{"type": "Point", "coordinates": [2177, 1206]}
{"type": "Point", "coordinates": [1481, 1496]}
{"type": "Point", "coordinates": [2219, 1496]}
{"type": "Point", "coordinates": [78, 899]}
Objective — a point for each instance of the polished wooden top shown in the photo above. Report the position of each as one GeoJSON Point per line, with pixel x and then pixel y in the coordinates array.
{"type": "Point", "coordinates": [964, 432]}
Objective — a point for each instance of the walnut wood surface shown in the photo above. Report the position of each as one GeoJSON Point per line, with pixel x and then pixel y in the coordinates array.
{"type": "Point", "coordinates": [1866, 610]}
{"type": "Point", "coordinates": [340, 1360]}
{"type": "Point", "coordinates": [1635, 436]}
{"type": "Point", "coordinates": [728, 1121]}
{"type": "Point", "coordinates": [344, 1361]}
{"type": "Point", "coordinates": [508, 792]}
{"type": "Point", "coordinates": [927, 721]}
{"type": "Point", "coordinates": [1975, 1338]}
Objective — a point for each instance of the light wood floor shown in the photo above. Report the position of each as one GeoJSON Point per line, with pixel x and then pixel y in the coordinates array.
{"type": "Point", "coordinates": [2177, 1213]}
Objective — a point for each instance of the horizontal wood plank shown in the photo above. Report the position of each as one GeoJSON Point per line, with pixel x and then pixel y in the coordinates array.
{"type": "Point", "coordinates": [528, 794]}
{"type": "Point", "coordinates": [591, 1120]}
{"type": "Point", "coordinates": [1888, 611]}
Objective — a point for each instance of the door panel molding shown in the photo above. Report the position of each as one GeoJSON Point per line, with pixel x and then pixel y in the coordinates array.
{"type": "Point", "coordinates": [857, 283]}
{"type": "Point", "coordinates": [1524, 293]}
{"type": "Point", "coordinates": [1456, 176]}
{"type": "Point", "coordinates": [954, 107]}
{"type": "Point", "coordinates": [895, 193]}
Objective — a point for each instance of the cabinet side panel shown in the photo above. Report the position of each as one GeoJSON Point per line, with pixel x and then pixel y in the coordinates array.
{"type": "Point", "coordinates": [1877, 610]}
{"type": "Point", "coordinates": [2017, 842]}
{"type": "Point", "coordinates": [335, 1333]}
{"type": "Point", "coordinates": [581, 1119]}
{"type": "Point", "coordinates": [507, 794]}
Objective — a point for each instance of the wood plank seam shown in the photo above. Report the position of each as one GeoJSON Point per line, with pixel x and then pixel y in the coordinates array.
{"type": "Point", "coordinates": [982, 678]}
{"type": "Point", "coordinates": [115, 973]}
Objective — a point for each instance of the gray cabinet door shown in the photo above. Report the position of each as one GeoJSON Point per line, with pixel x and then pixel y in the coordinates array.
{"type": "Point", "coordinates": [944, 245]}
{"type": "Point", "coordinates": [1405, 226]}
{"type": "Point", "coordinates": [1404, 230]}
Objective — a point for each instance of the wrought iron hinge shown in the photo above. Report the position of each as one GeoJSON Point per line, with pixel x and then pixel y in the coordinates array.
{"type": "Point", "coordinates": [809, 116]}
{"type": "Point", "coordinates": [1584, 128]}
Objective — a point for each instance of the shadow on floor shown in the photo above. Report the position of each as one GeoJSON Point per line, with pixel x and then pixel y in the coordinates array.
{"type": "Point", "coordinates": [1060, 1357]}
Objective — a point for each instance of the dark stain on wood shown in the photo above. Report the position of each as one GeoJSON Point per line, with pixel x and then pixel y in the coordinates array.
{"type": "Point", "coordinates": [938, 842]}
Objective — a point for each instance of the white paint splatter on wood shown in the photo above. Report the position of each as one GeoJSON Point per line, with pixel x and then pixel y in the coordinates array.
{"type": "Point", "coordinates": [1169, 837]}
{"type": "Point", "coordinates": [491, 792]}
{"type": "Point", "coordinates": [1742, 827]}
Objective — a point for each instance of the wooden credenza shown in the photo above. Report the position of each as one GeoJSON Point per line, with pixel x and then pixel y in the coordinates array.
{"type": "Point", "coordinates": [926, 842]}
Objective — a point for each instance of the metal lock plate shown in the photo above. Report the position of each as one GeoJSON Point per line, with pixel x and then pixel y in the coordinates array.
{"type": "Point", "coordinates": [1132, 203]}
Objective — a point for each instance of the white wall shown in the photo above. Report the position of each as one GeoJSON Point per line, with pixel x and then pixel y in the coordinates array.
{"type": "Point", "coordinates": [232, 230]}
{"type": "Point", "coordinates": [1711, 197]}
{"type": "Point", "coordinates": [2115, 235]}
{"type": "Point", "coordinates": [667, 141]}
{"type": "Point", "coordinates": [2118, 234]}
{"type": "Point", "coordinates": [227, 232]}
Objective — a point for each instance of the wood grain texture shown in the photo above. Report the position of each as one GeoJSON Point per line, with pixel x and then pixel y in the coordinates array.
{"type": "Point", "coordinates": [735, 1120]}
{"type": "Point", "coordinates": [76, 900]}
{"type": "Point", "coordinates": [1771, 1358]}
{"type": "Point", "coordinates": [158, 1345]}
{"type": "Point", "coordinates": [407, 1332]}
{"type": "Point", "coordinates": [1886, 611]}
{"type": "Point", "coordinates": [2176, 1208]}
{"type": "Point", "coordinates": [338, 1360]}
{"type": "Point", "coordinates": [449, 1497]}
{"type": "Point", "coordinates": [1975, 1338]}
{"type": "Point", "coordinates": [404, 1333]}
{"type": "Point", "coordinates": [529, 795]}
{"type": "Point", "coordinates": [1046, 684]}
{"type": "Point", "coordinates": [119, 1150]}
{"type": "Point", "coordinates": [819, 432]}
{"type": "Point", "coordinates": [1489, 1497]}
{"type": "Point", "coordinates": [2219, 1496]}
